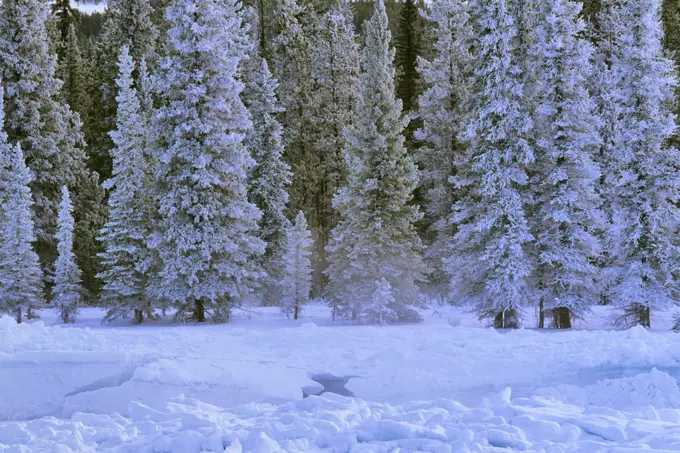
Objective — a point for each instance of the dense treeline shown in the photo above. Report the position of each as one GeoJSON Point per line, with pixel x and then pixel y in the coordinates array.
{"type": "Point", "coordinates": [194, 155]}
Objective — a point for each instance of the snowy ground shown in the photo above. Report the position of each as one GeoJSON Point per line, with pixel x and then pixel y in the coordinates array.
{"type": "Point", "coordinates": [429, 387]}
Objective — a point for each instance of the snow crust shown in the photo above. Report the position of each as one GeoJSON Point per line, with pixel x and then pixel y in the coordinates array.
{"type": "Point", "coordinates": [238, 387]}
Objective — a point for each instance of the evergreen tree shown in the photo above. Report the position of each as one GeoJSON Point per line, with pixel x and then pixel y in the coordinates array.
{"type": "Point", "coordinates": [376, 237]}
{"type": "Point", "coordinates": [566, 217]}
{"type": "Point", "coordinates": [441, 111]}
{"type": "Point", "coordinates": [636, 92]}
{"type": "Point", "coordinates": [67, 290]}
{"type": "Point", "coordinates": [36, 118]}
{"type": "Point", "coordinates": [128, 23]}
{"type": "Point", "coordinates": [270, 178]}
{"type": "Point", "coordinates": [380, 310]}
{"type": "Point", "coordinates": [293, 67]}
{"type": "Point", "coordinates": [407, 47]}
{"type": "Point", "coordinates": [207, 244]}
{"type": "Point", "coordinates": [337, 65]}
{"type": "Point", "coordinates": [296, 275]}
{"type": "Point", "coordinates": [66, 17]}
{"type": "Point", "coordinates": [72, 67]}
{"type": "Point", "coordinates": [126, 257]}
{"type": "Point", "coordinates": [670, 15]}
{"type": "Point", "coordinates": [21, 280]}
{"type": "Point", "coordinates": [488, 263]}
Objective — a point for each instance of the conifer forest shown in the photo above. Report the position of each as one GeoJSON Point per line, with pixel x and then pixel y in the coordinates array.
{"type": "Point", "coordinates": [187, 158]}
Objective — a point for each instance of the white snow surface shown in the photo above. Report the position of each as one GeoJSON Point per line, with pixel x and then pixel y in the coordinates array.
{"type": "Point", "coordinates": [429, 387]}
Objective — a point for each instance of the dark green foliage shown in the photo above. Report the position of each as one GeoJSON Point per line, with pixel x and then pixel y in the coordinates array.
{"type": "Point", "coordinates": [407, 45]}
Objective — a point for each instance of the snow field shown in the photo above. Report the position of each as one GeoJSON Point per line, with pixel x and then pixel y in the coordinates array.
{"type": "Point", "coordinates": [238, 387]}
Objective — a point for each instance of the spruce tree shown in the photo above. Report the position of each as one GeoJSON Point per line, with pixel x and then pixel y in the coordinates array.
{"type": "Point", "coordinates": [380, 310]}
{"type": "Point", "coordinates": [126, 256]}
{"type": "Point", "coordinates": [376, 237]}
{"type": "Point", "coordinates": [488, 264]}
{"type": "Point", "coordinates": [407, 46]}
{"type": "Point", "coordinates": [72, 75]}
{"type": "Point", "coordinates": [66, 17]}
{"type": "Point", "coordinates": [207, 243]}
{"type": "Point", "coordinates": [336, 69]}
{"type": "Point", "coordinates": [566, 215]}
{"type": "Point", "coordinates": [441, 109]}
{"type": "Point", "coordinates": [636, 91]}
{"type": "Point", "coordinates": [270, 178]}
{"type": "Point", "coordinates": [67, 290]}
{"type": "Point", "coordinates": [670, 16]}
{"type": "Point", "coordinates": [128, 23]}
{"type": "Point", "coordinates": [293, 67]}
{"type": "Point", "coordinates": [47, 130]}
{"type": "Point", "coordinates": [296, 267]}
{"type": "Point", "coordinates": [21, 279]}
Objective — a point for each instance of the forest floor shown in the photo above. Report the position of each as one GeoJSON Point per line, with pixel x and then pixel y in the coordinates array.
{"type": "Point", "coordinates": [444, 385]}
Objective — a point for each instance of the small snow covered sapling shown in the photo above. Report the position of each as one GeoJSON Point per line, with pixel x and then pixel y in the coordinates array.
{"type": "Point", "coordinates": [380, 310]}
{"type": "Point", "coordinates": [296, 272]}
{"type": "Point", "coordinates": [67, 291]}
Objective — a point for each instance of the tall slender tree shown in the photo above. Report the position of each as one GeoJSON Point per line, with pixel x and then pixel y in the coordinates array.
{"type": "Point", "coordinates": [441, 109]}
{"type": "Point", "coordinates": [336, 69]}
{"type": "Point", "coordinates": [21, 280]}
{"type": "Point", "coordinates": [67, 292]}
{"type": "Point", "coordinates": [407, 44]}
{"type": "Point", "coordinates": [566, 216]}
{"type": "Point", "coordinates": [489, 264]}
{"type": "Point", "coordinates": [208, 243]}
{"type": "Point", "coordinates": [296, 267]}
{"type": "Point", "coordinates": [126, 256]}
{"type": "Point", "coordinates": [636, 92]}
{"type": "Point", "coordinates": [376, 237]}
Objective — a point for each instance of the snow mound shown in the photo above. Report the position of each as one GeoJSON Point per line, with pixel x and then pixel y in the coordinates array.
{"type": "Point", "coordinates": [656, 388]}
{"type": "Point", "coordinates": [332, 423]}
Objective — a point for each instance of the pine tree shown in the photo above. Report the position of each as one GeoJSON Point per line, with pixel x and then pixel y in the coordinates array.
{"type": "Point", "coordinates": [21, 280]}
{"type": "Point", "coordinates": [488, 263]}
{"type": "Point", "coordinates": [66, 17]}
{"type": "Point", "coordinates": [670, 16]}
{"type": "Point", "coordinates": [407, 47]}
{"type": "Point", "coordinates": [380, 311]}
{"type": "Point", "coordinates": [296, 275]}
{"type": "Point", "coordinates": [126, 257]}
{"type": "Point", "coordinates": [293, 67]}
{"type": "Point", "coordinates": [376, 237]}
{"type": "Point", "coordinates": [72, 67]}
{"type": "Point", "coordinates": [336, 69]}
{"type": "Point", "coordinates": [441, 111]}
{"type": "Point", "coordinates": [270, 178]}
{"type": "Point", "coordinates": [128, 23]}
{"type": "Point", "coordinates": [208, 244]}
{"type": "Point", "coordinates": [67, 290]}
{"type": "Point", "coordinates": [636, 90]}
{"type": "Point", "coordinates": [566, 216]}
{"type": "Point", "coordinates": [47, 130]}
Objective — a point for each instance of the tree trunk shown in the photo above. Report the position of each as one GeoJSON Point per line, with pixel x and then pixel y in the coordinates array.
{"type": "Point", "coordinates": [296, 312]}
{"type": "Point", "coordinates": [139, 316]}
{"type": "Point", "coordinates": [199, 311]}
{"type": "Point", "coordinates": [19, 315]}
{"type": "Point", "coordinates": [541, 315]}
{"type": "Point", "coordinates": [562, 318]}
{"type": "Point", "coordinates": [506, 320]}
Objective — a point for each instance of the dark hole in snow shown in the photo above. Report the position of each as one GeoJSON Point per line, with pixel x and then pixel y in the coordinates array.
{"type": "Point", "coordinates": [329, 384]}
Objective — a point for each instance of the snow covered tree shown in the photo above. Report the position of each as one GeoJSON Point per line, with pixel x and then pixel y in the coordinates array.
{"type": "Point", "coordinates": [337, 65]}
{"type": "Point", "coordinates": [635, 89]}
{"type": "Point", "coordinates": [488, 264]}
{"type": "Point", "coordinates": [67, 290]}
{"type": "Point", "coordinates": [36, 116]}
{"type": "Point", "coordinates": [380, 310]}
{"type": "Point", "coordinates": [126, 258]}
{"type": "Point", "coordinates": [128, 23]}
{"type": "Point", "coordinates": [407, 44]}
{"type": "Point", "coordinates": [376, 237]}
{"type": "Point", "coordinates": [21, 279]}
{"type": "Point", "coordinates": [71, 73]}
{"type": "Point", "coordinates": [270, 178]}
{"type": "Point", "coordinates": [207, 244]}
{"type": "Point", "coordinates": [293, 67]}
{"type": "Point", "coordinates": [566, 216]}
{"type": "Point", "coordinates": [441, 112]}
{"type": "Point", "coordinates": [296, 272]}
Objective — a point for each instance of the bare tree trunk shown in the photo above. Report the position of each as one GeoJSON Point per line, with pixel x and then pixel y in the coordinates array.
{"type": "Point", "coordinates": [562, 318]}
{"type": "Point", "coordinates": [139, 316]}
{"type": "Point", "coordinates": [19, 315]}
{"type": "Point", "coordinates": [541, 315]}
{"type": "Point", "coordinates": [199, 311]}
{"type": "Point", "coordinates": [296, 312]}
